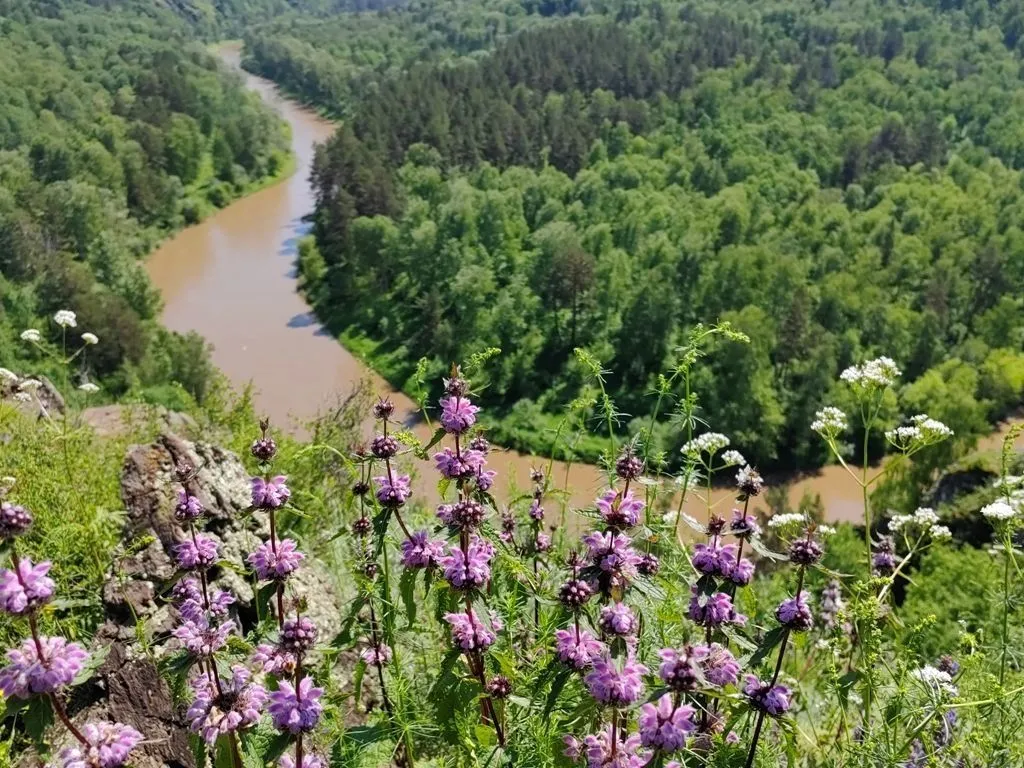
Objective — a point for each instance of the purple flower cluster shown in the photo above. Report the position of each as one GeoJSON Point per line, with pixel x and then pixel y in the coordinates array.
{"type": "Point", "coordinates": [393, 491]}
{"type": "Point", "coordinates": [743, 526]}
{"type": "Point", "coordinates": [470, 569]}
{"type": "Point", "coordinates": [613, 553]}
{"type": "Point", "coordinates": [203, 638]}
{"type": "Point", "coordinates": [773, 700]}
{"type": "Point", "coordinates": [713, 610]}
{"type": "Point", "coordinates": [458, 414]}
{"type": "Point", "coordinates": [108, 746]}
{"type": "Point", "coordinates": [466, 514]}
{"type": "Point", "coordinates": [275, 563]}
{"type": "Point", "coordinates": [274, 660]}
{"type": "Point", "coordinates": [309, 760]}
{"type": "Point", "coordinates": [28, 673]}
{"type": "Point", "coordinates": [616, 684]}
{"type": "Point", "coordinates": [722, 561]}
{"type": "Point", "coordinates": [212, 714]}
{"type": "Point", "coordinates": [619, 510]}
{"type": "Point", "coordinates": [378, 656]}
{"type": "Point", "coordinates": [25, 588]}
{"type": "Point", "coordinates": [664, 725]}
{"type": "Point", "coordinates": [420, 551]}
{"type": "Point", "coordinates": [598, 753]}
{"type": "Point", "coordinates": [298, 635]}
{"type": "Point", "coordinates": [883, 560]}
{"type": "Point", "coordinates": [578, 649]}
{"type": "Point", "coordinates": [270, 494]}
{"type": "Point", "coordinates": [188, 507]}
{"type": "Point", "coordinates": [469, 633]}
{"type": "Point", "coordinates": [618, 619]}
{"type": "Point", "coordinates": [196, 554]}
{"type": "Point", "coordinates": [296, 709]}
{"type": "Point", "coordinates": [14, 520]}
{"type": "Point", "coordinates": [460, 466]}
{"type": "Point", "coordinates": [795, 614]}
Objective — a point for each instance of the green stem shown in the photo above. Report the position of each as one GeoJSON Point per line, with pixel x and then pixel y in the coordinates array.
{"type": "Point", "coordinates": [1008, 545]}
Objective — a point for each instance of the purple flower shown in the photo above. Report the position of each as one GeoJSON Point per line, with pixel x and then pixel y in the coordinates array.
{"type": "Point", "coordinates": [613, 553]}
{"type": "Point", "coordinates": [770, 699]}
{"type": "Point", "coordinates": [648, 565]}
{"type": "Point", "coordinates": [470, 569]}
{"type": "Point", "coordinates": [392, 493]}
{"type": "Point", "coordinates": [713, 610]}
{"type": "Point", "coordinates": [574, 593]}
{"type": "Point", "coordinates": [665, 726]}
{"type": "Point", "coordinates": [743, 526]}
{"type": "Point", "coordinates": [708, 558]}
{"type": "Point", "coordinates": [270, 494]}
{"type": "Point", "coordinates": [619, 511]}
{"type": "Point", "coordinates": [420, 551]}
{"type": "Point", "coordinates": [628, 466]}
{"type": "Point", "coordinates": [296, 709]}
{"type": "Point", "coordinates": [597, 747]}
{"type": "Point", "coordinates": [949, 665]}
{"type": "Point", "coordinates": [275, 565]}
{"type": "Point", "coordinates": [196, 554]}
{"type": "Point", "coordinates": [26, 674]}
{"type": "Point", "coordinates": [542, 542]}
{"type": "Point", "coordinates": [109, 745]}
{"type": "Point", "coordinates": [14, 520]}
{"type": "Point", "coordinates": [274, 660]}
{"type": "Point", "coordinates": [795, 613]}
{"type": "Point", "coordinates": [309, 760]}
{"type": "Point", "coordinates": [831, 604]}
{"type": "Point", "coordinates": [578, 652]}
{"type": "Point", "coordinates": [298, 635]}
{"type": "Point", "coordinates": [201, 638]}
{"type": "Point", "coordinates": [188, 507]}
{"type": "Point", "coordinates": [720, 666]}
{"type": "Point", "coordinates": [188, 597]}
{"type": "Point", "coordinates": [25, 589]}
{"type": "Point", "coordinates": [384, 446]}
{"type": "Point", "coordinates": [682, 670]}
{"type": "Point", "coordinates": [469, 632]}
{"type": "Point", "coordinates": [466, 464]}
{"type": "Point", "coordinates": [463, 515]}
{"type": "Point", "coordinates": [615, 686]}
{"type": "Point", "coordinates": [883, 561]}
{"type": "Point", "coordinates": [457, 414]}
{"type": "Point", "coordinates": [740, 573]}
{"type": "Point", "coordinates": [917, 758]}
{"type": "Point", "coordinates": [485, 479]}
{"type": "Point", "coordinates": [211, 714]}
{"type": "Point", "coordinates": [805, 552]}
{"type": "Point", "coordinates": [382, 409]}
{"type": "Point", "coordinates": [617, 619]}
{"type": "Point", "coordinates": [376, 657]}
{"type": "Point", "coordinates": [536, 511]}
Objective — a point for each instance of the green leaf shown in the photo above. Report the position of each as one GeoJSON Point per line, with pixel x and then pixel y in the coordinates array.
{"type": "Point", "coordinates": [772, 639]}
{"type": "Point", "coordinates": [434, 440]}
{"type": "Point", "coordinates": [485, 735]}
{"type": "Point", "coordinates": [263, 745]}
{"type": "Point", "coordinates": [343, 639]}
{"type": "Point", "coordinates": [198, 749]}
{"type": "Point", "coordinates": [367, 734]}
{"type": "Point", "coordinates": [222, 757]}
{"type": "Point", "coordinates": [38, 717]}
{"type": "Point", "coordinates": [94, 662]}
{"type": "Point", "coordinates": [556, 689]}
{"type": "Point", "coordinates": [357, 680]}
{"type": "Point", "coordinates": [407, 588]}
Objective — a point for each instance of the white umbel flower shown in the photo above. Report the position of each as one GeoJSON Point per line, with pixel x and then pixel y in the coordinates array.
{"type": "Point", "coordinates": [31, 334]}
{"type": "Point", "coordinates": [829, 421]}
{"type": "Point", "coordinates": [23, 397]}
{"type": "Point", "coordinates": [922, 432]}
{"type": "Point", "coordinates": [65, 318]}
{"type": "Point", "coordinates": [874, 374]}
{"type": "Point", "coordinates": [787, 520]}
{"type": "Point", "coordinates": [733, 459]}
{"type": "Point", "coordinates": [90, 338]}
{"type": "Point", "coordinates": [934, 678]}
{"type": "Point", "coordinates": [88, 387]}
{"type": "Point", "coordinates": [940, 532]}
{"type": "Point", "coordinates": [709, 442]}
{"type": "Point", "coordinates": [30, 385]}
{"type": "Point", "coordinates": [8, 376]}
{"type": "Point", "coordinates": [998, 510]}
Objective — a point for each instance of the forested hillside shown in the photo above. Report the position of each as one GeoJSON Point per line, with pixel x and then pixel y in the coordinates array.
{"type": "Point", "coordinates": [116, 128]}
{"type": "Point", "coordinates": [837, 184]}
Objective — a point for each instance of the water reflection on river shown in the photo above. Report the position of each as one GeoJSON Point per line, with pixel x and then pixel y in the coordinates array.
{"type": "Point", "coordinates": [232, 279]}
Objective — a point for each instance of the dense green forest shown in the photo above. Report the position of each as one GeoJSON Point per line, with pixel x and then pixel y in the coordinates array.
{"type": "Point", "coordinates": [117, 126]}
{"type": "Point", "coordinates": [838, 184]}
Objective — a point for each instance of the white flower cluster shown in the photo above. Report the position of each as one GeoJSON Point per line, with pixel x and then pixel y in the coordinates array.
{"type": "Point", "coordinates": [940, 532]}
{"type": "Point", "coordinates": [733, 459]}
{"type": "Point", "coordinates": [88, 387]}
{"type": "Point", "coordinates": [999, 511]}
{"type": "Point", "coordinates": [829, 421]}
{"type": "Point", "coordinates": [934, 678]}
{"type": "Point", "coordinates": [90, 338]}
{"type": "Point", "coordinates": [874, 374]}
{"type": "Point", "coordinates": [65, 318]}
{"type": "Point", "coordinates": [924, 517]}
{"type": "Point", "coordinates": [825, 530]}
{"type": "Point", "coordinates": [709, 442]}
{"type": "Point", "coordinates": [8, 376]}
{"type": "Point", "coordinates": [922, 432]}
{"type": "Point", "coordinates": [32, 335]}
{"type": "Point", "coordinates": [787, 520]}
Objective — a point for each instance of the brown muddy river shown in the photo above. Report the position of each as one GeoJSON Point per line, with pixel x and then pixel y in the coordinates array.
{"type": "Point", "coordinates": [232, 279]}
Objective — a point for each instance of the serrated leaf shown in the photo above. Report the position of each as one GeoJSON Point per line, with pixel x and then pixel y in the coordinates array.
{"type": "Point", "coordinates": [198, 750]}
{"type": "Point", "coordinates": [434, 440]}
{"type": "Point", "coordinates": [37, 718]}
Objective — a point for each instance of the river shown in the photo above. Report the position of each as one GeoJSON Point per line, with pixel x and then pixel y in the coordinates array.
{"type": "Point", "coordinates": [232, 279]}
